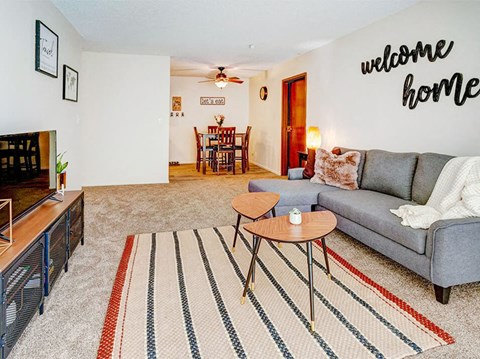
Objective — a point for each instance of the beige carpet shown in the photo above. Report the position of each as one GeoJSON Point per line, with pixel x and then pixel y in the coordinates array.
{"type": "Point", "coordinates": [74, 312]}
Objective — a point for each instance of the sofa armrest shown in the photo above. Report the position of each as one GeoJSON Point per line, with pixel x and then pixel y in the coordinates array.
{"type": "Point", "coordinates": [295, 173]}
{"type": "Point", "coordinates": [453, 246]}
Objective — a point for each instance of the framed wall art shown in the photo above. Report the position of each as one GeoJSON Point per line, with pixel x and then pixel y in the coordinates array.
{"type": "Point", "coordinates": [212, 100]}
{"type": "Point", "coordinates": [176, 103]}
{"type": "Point", "coordinates": [46, 50]}
{"type": "Point", "coordinates": [70, 84]}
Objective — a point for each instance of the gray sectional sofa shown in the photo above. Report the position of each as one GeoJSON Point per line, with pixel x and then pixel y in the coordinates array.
{"type": "Point", "coordinates": [447, 254]}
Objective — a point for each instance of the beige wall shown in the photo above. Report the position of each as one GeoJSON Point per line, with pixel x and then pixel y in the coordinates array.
{"type": "Point", "coordinates": [29, 100]}
{"type": "Point", "coordinates": [365, 111]}
{"type": "Point", "coordinates": [125, 118]}
{"type": "Point", "coordinates": [235, 110]}
{"type": "Point", "coordinates": [117, 132]}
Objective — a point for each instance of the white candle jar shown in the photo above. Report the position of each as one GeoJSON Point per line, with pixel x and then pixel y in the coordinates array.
{"type": "Point", "coordinates": [295, 216]}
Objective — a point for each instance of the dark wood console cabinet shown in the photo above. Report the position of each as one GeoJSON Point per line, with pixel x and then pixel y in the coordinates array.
{"type": "Point", "coordinates": [44, 239]}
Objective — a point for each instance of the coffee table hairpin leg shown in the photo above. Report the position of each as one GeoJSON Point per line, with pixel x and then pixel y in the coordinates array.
{"type": "Point", "coordinates": [279, 244]}
{"type": "Point", "coordinates": [310, 278]}
{"type": "Point", "coordinates": [251, 275]}
{"type": "Point", "coordinates": [251, 269]}
{"type": "Point", "coordinates": [325, 254]}
{"type": "Point", "coordinates": [236, 232]}
{"type": "Point", "coordinates": [238, 226]}
{"type": "Point", "coordinates": [310, 285]}
{"type": "Point", "coordinates": [254, 244]}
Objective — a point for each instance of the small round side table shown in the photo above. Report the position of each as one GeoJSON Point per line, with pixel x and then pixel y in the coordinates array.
{"type": "Point", "coordinates": [315, 225]}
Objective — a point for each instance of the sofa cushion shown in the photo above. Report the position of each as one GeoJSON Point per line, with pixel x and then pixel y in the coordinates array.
{"type": "Point", "coordinates": [389, 173]}
{"type": "Point", "coordinates": [360, 165]}
{"type": "Point", "coordinates": [292, 193]}
{"type": "Point", "coordinates": [337, 170]}
{"type": "Point", "coordinates": [372, 210]}
{"type": "Point", "coordinates": [428, 169]}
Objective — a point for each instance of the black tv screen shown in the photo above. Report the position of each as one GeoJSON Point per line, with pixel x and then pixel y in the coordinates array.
{"type": "Point", "coordinates": [27, 171]}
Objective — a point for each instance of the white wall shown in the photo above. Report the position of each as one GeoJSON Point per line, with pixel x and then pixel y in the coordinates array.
{"type": "Point", "coordinates": [125, 118]}
{"type": "Point", "coordinates": [365, 111]}
{"type": "Point", "coordinates": [30, 100]}
{"type": "Point", "coordinates": [182, 140]}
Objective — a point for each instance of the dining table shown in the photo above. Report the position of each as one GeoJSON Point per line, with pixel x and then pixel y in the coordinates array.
{"type": "Point", "coordinates": [213, 136]}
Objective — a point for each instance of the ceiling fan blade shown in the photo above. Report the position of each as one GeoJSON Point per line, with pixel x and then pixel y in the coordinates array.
{"type": "Point", "coordinates": [234, 78]}
{"type": "Point", "coordinates": [237, 81]}
{"type": "Point", "coordinates": [213, 80]}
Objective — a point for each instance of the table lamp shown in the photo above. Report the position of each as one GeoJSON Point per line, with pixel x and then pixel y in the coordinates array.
{"type": "Point", "coordinates": [314, 140]}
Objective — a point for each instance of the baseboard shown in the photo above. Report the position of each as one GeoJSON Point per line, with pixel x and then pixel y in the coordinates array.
{"type": "Point", "coordinates": [265, 168]}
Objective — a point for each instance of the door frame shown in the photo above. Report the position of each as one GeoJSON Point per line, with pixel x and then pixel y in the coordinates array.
{"type": "Point", "coordinates": [285, 111]}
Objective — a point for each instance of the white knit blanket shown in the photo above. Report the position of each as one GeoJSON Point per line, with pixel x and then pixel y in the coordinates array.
{"type": "Point", "coordinates": [456, 195]}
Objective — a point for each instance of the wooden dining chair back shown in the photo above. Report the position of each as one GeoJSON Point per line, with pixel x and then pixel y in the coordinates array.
{"type": "Point", "coordinates": [226, 136]}
{"type": "Point", "coordinates": [199, 148]}
{"type": "Point", "coordinates": [212, 129]}
{"type": "Point", "coordinates": [243, 149]}
{"type": "Point", "coordinates": [208, 149]}
{"type": "Point", "coordinates": [225, 150]}
{"type": "Point", "coordinates": [246, 144]}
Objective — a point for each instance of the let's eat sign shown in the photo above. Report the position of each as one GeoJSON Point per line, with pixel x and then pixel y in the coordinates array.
{"type": "Point", "coordinates": [212, 100]}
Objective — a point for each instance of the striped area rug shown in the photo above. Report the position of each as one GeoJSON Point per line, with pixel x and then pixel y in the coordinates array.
{"type": "Point", "coordinates": [177, 295]}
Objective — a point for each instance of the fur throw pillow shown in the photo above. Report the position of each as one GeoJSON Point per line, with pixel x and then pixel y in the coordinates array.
{"type": "Point", "coordinates": [337, 170]}
{"type": "Point", "coordinates": [309, 170]}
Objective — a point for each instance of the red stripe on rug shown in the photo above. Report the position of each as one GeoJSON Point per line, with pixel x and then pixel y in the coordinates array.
{"type": "Point", "coordinates": [447, 338]}
{"type": "Point", "coordinates": [126, 300]}
{"type": "Point", "coordinates": [109, 327]}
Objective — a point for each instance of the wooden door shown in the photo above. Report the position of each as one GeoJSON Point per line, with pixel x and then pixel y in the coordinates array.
{"type": "Point", "coordinates": [294, 120]}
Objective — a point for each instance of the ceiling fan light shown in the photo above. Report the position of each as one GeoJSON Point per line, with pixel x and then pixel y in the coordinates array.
{"type": "Point", "coordinates": [221, 84]}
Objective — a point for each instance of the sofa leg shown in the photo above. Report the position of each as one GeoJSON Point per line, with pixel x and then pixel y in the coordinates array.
{"type": "Point", "coordinates": [442, 294]}
{"type": "Point", "coordinates": [313, 207]}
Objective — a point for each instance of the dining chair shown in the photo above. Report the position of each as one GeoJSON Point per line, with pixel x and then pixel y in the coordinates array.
{"type": "Point", "coordinates": [224, 151]}
{"type": "Point", "coordinates": [243, 148]}
{"type": "Point", "coordinates": [211, 142]}
{"type": "Point", "coordinates": [212, 129]}
{"type": "Point", "coordinates": [209, 149]}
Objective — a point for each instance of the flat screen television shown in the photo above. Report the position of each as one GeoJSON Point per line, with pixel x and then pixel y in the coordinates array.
{"type": "Point", "coordinates": [27, 171]}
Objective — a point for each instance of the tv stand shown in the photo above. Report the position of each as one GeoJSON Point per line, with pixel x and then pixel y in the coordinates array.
{"type": "Point", "coordinates": [44, 240]}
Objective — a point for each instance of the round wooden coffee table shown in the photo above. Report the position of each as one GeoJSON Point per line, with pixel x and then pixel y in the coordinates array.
{"type": "Point", "coordinates": [253, 205]}
{"type": "Point", "coordinates": [315, 225]}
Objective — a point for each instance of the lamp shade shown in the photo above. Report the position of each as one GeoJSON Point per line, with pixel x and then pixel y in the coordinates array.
{"type": "Point", "coordinates": [314, 139]}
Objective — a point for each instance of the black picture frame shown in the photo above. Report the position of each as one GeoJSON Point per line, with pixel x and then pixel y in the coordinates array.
{"type": "Point", "coordinates": [70, 84]}
{"type": "Point", "coordinates": [46, 50]}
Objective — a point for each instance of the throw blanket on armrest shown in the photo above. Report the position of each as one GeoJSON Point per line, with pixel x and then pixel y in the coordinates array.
{"type": "Point", "coordinates": [456, 195]}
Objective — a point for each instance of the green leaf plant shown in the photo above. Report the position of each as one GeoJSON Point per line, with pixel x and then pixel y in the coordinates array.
{"type": "Point", "coordinates": [61, 166]}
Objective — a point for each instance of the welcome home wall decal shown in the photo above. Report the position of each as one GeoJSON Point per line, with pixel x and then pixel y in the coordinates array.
{"type": "Point", "coordinates": [412, 97]}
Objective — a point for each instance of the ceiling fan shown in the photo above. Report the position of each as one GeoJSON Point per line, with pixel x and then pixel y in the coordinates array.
{"type": "Point", "coordinates": [221, 80]}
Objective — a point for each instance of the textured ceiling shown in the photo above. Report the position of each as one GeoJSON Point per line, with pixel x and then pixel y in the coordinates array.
{"type": "Point", "coordinates": [201, 35]}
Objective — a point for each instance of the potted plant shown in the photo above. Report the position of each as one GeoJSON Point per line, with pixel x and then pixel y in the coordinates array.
{"type": "Point", "coordinates": [61, 172]}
